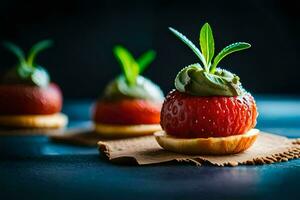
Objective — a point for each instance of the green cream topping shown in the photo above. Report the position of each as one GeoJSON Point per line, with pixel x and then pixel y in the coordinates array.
{"type": "Point", "coordinates": [142, 89]}
{"type": "Point", "coordinates": [131, 85]}
{"type": "Point", "coordinates": [27, 71]}
{"type": "Point", "coordinates": [37, 76]}
{"type": "Point", "coordinates": [207, 79]}
{"type": "Point", "coordinates": [194, 80]}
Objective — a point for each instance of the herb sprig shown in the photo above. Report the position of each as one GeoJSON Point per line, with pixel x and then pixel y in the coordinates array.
{"type": "Point", "coordinates": [132, 67]}
{"type": "Point", "coordinates": [27, 70]}
{"type": "Point", "coordinates": [207, 46]}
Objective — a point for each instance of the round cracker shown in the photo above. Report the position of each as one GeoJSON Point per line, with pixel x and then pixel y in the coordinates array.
{"type": "Point", "coordinates": [120, 131]}
{"type": "Point", "coordinates": [54, 121]}
{"type": "Point", "coordinates": [207, 146]}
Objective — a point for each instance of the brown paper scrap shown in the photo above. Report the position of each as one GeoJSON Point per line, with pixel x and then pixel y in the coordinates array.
{"type": "Point", "coordinates": [81, 136]}
{"type": "Point", "coordinates": [268, 148]}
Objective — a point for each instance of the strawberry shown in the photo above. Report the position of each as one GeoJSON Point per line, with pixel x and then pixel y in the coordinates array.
{"type": "Point", "coordinates": [17, 99]}
{"type": "Point", "coordinates": [188, 116]}
{"type": "Point", "coordinates": [127, 112]}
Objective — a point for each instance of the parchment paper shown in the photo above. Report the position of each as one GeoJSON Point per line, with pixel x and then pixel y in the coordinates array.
{"type": "Point", "coordinates": [268, 148]}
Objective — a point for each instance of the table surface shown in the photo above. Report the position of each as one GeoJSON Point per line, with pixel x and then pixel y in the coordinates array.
{"type": "Point", "coordinates": [34, 168]}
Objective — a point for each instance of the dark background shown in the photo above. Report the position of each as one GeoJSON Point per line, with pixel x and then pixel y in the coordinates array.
{"type": "Point", "coordinates": [81, 61]}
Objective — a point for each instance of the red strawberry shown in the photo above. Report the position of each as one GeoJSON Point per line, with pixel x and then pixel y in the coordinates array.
{"type": "Point", "coordinates": [127, 112]}
{"type": "Point", "coordinates": [187, 116]}
{"type": "Point", "coordinates": [20, 99]}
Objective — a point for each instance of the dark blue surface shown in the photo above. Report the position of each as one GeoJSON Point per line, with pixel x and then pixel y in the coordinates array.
{"type": "Point", "coordinates": [34, 168]}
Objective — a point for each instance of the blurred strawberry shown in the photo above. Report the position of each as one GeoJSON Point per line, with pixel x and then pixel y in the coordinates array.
{"type": "Point", "coordinates": [127, 112]}
{"type": "Point", "coordinates": [17, 99]}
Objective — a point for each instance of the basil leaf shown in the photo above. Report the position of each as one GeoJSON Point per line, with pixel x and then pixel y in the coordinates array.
{"type": "Point", "coordinates": [129, 66]}
{"type": "Point", "coordinates": [184, 39]}
{"type": "Point", "coordinates": [207, 43]}
{"type": "Point", "coordinates": [238, 46]}
{"type": "Point", "coordinates": [17, 51]}
{"type": "Point", "coordinates": [145, 60]}
{"type": "Point", "coordinates": [37, 48]}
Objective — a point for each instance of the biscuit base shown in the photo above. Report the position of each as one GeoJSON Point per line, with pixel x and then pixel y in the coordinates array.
{"type": "Point", "coordinates": [54, 121]}
{"type": "Point", "coordinates": [121, 131]}
{"type": "Point", "coordinates": [207, 146]}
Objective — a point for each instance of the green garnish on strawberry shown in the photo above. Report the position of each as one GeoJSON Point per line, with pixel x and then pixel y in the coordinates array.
{"type": "Point", "coordinates": [207, 79]}
{"type": "Point", "coordinates": [131, 84]}
{"type": "Point", "coordinates": [27, 71]}
{"type": "Point", "coordinates": [208, 101]}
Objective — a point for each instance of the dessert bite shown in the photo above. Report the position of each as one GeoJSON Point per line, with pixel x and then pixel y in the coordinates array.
{"type": "Point", "coordinates": [28, 99]}
{"type": "Point", "coordinates": [130, 104]}
{"type": "Point", "coordinates": [209, 112]}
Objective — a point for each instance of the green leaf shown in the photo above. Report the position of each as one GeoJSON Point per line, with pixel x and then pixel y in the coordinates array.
{"type": "Point", "coordinates": [37, 48]}
{"type": "Point", "coordinates": [129, 66]}
{"type": "Point", "coordinates": [238, 46]}
{"type": "Point", "coordinates": [17, 51]}
{"type": "Point", "coordinates": [190, 45]}
{"type": "Point", "coordinates": [24, 71]}
{"type": "Point", "coordinates": [145, 60]}
{"type": "Point", "coordinates": [207, 43]}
